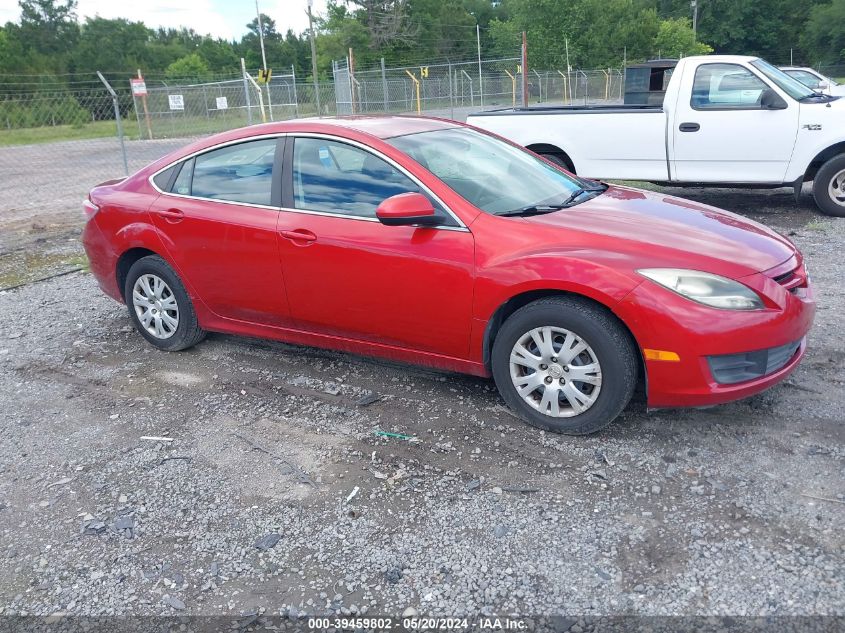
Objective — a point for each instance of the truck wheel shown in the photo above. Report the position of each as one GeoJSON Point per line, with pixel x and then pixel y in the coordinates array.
{"type": "Point", "coordinates": [829, 187]}
{"type": "Point", "coordinates": [565, 365]}
{"type": "Point", "coordinates": [560, 159]}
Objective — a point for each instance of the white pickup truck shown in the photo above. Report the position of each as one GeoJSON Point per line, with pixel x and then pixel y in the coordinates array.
{"type": "Point", "coordinates": [726, 120]}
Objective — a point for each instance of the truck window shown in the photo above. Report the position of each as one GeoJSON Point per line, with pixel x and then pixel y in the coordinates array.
{"type": "Point", "coordinates": [726, 87]}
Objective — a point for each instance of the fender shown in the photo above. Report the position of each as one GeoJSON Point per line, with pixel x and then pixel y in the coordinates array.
{"type": "Point", "coordinates": [806, 166]}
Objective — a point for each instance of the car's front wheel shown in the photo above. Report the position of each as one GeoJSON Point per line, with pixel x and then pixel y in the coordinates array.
{"type": "Point", "coordinates": [159, 305]}
{"type": "Point", "coordinates": [565, 365]}
{"type": "Point", "coordinates": [829, 187]}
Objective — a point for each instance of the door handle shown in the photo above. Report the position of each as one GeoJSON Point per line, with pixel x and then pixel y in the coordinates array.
{"type": "Point", "coordinates": [171, 215]}
{"type": "Point", "coordinates": [689, 127]}
{"type": "Point", "coordinates": [299, 235]}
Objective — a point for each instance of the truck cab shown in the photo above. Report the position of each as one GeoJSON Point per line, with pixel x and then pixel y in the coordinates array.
{"type": "Point", "coordinates": [725, 120]}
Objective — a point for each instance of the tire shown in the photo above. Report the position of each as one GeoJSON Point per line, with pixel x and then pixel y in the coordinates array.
{"type": "Point", "coordinates": [560, 159]}
{"type": "Point", "coordinates": [171, 304]}
{"type": "Point", "coordinates": [608, 343]}
{"type": "Point", "coordinates": [831, 176]}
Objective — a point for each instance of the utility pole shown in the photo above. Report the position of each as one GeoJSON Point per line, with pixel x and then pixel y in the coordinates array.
{"type": "Point", "coordinates": [694, 5]}
{"type": "Point", "coordinates": [568, 68]}
{"type": "Point", "coordinates": [480, 80]}
{"type": "Point", "coordinates": [261, 36]}
{"type": "Point", "coordinates": [314, 58]}
{"type": "Point", "coordinates": [524, 70]}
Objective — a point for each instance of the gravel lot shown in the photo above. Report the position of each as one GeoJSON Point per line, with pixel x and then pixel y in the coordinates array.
{"type": "Point", "coordinates": [280, 494]}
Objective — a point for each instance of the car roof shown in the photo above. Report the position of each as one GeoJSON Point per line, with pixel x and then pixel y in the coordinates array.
{"type": "Point", "coordinates": [379, 126]}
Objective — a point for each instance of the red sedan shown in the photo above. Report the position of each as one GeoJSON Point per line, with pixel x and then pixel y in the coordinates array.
{"type": "Point", "coordinates": [431, 242]}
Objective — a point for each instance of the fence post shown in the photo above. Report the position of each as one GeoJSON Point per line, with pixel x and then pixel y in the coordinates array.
{"type": "Point", "coordinates": [295, 99]}
{"type": "Point", "coordinates": [246, 93]}
{"type": "Point", "coordinates": [384, 83]}
{"type": "Point", "coordinates": [451, 99]}
{"type": "Point", "coordinates": [117, 119]}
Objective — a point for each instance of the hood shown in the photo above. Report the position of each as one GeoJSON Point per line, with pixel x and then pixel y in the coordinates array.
{"type": "Point", "coordinates": [675, 231]}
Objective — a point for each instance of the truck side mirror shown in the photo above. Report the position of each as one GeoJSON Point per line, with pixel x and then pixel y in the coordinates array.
{"type": "Point", "coordinates": [770, 100]}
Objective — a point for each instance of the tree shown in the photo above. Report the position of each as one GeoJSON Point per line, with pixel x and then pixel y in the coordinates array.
{"type": "Point", "coordinates": [49, 26]}
{"type": "Point", "coordinates": [675, 38]}
{"type": "Point", "coordinates": [188, 67]}
{"type": "Point", "coordinates": [110, 45]}
{"type": "Point", "coordinates": [388, 21]}
{"type": "Point", "coordinates": [824, 37]}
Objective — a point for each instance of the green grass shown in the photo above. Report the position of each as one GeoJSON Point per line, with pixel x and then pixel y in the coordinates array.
{"type": "Point", "coordinates": [52, 133]}
{"type": "Point", "coordinates": [167, 127]}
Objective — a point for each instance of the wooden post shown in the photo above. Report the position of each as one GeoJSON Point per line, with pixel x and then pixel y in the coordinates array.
{"type": "Point", "coordinates": [146, 110]}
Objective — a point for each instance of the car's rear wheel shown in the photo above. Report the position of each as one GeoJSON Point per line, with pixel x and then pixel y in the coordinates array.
{"type": "Point", "coordinates": [829, 187]}
{"type": "Point", "coordinates": [159, 305]}
{"type": "Point", "coordinates": [565, 365]}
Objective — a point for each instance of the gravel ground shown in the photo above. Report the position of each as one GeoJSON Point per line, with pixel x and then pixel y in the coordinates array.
{"type": "Point", "coordinates": [282, 492]}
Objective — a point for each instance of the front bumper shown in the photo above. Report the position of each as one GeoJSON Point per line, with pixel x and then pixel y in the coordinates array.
{"type": "Point", "coordinates": [663, 320]}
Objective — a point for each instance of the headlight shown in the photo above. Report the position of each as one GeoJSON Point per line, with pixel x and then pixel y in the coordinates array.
{"type": "Point", "coordinates": [711, 290]}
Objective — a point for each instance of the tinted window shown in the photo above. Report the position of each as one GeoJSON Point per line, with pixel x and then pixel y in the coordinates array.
{"type": "Point", "coordinates": [182, 184]}
{"type": "Point", "coordinates": [162, 179]}
{"type": "Point", "coordinates": [726, 86]}
{"type": "Point", "coordinates": [239, 173]}
{"type": "Point", "coordinates": [338, 178]}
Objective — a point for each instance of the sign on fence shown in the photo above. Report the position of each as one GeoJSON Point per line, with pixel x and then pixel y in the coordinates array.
{"type": "Point", "coordinates": [222, 103]}
{"type": "Point", "coordinates": [139, 88]}
{"type": "Point", "coordinates": [177, 102]}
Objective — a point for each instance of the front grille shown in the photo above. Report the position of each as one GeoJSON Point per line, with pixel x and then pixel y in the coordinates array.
{"type": "Point", "coordinates": [729, 369]}
{"type": "Point", "coordinates": [784, 278]}
{"type": "Point", "coordinates": [791, 280]}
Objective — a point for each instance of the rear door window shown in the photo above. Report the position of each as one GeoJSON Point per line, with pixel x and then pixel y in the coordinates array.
{"type": "Point", "coordinates": [182, 184]}
{"type": "Point", "coordinates": [236, 173]}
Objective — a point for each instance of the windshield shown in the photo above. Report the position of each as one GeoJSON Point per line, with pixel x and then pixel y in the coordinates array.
{"type": "Point", "coordinates": [493, 175]}
{"type": "Point", "coordinates": [789, 85]}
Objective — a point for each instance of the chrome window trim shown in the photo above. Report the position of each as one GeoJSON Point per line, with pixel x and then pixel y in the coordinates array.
{"type": "Point", "coordinates": [238, 141]}
{"type": "Point", "coordinates": [340, 139]}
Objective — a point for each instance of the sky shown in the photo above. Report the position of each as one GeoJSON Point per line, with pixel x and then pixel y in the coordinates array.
{"type": "Point", "coordinates": [220, 18]}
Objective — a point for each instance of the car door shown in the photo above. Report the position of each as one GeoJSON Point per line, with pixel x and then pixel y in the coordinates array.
{"type": "Point", "coordinates": [723, 134]}
{"type": "Point", "coordinates": [350, 276]}
{"type": "Point", "coordinates": [218, 217]}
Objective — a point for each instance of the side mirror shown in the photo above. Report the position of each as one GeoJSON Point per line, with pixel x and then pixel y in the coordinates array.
{"type": "Point", "coordinates": [407, 209]}
{"type": "Point", "coordinates": [770, 100]}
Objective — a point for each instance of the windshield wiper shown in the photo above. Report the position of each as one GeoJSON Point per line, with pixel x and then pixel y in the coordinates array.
{"type": "Point", "coordinates": [534, 209]}
{"type": "Point", "coordinates": [539, 209]}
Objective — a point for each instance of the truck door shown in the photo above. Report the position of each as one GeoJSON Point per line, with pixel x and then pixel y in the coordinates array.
{"type": "Point", "coordinates": [721, 132]}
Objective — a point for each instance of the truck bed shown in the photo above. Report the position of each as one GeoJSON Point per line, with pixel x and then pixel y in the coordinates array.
{"type": "Point", "coordinates": [573, 109]}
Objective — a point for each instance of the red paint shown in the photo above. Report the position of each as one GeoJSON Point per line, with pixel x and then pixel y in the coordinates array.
{"type": "Point", "coordinates": [405, 206]}
{"type": "Point", "coordinates": [426, 295]}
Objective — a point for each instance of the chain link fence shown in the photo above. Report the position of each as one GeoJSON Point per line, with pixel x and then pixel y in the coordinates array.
{"type": "Point", "coordinates": [55, 144]}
